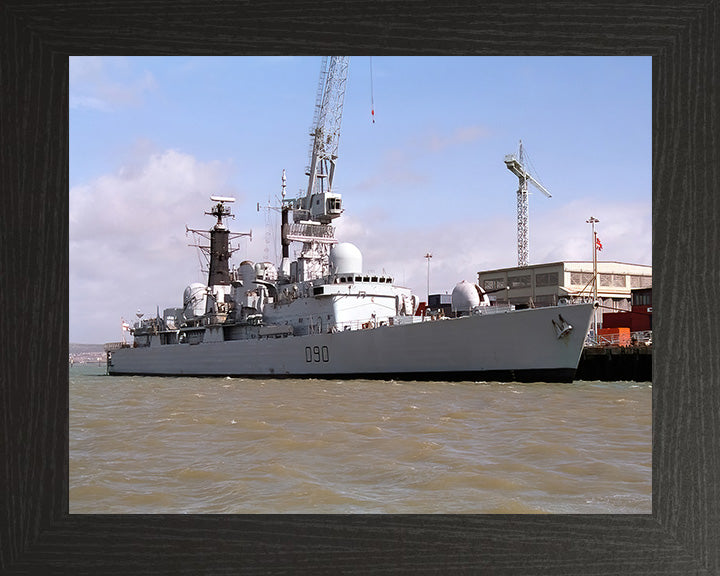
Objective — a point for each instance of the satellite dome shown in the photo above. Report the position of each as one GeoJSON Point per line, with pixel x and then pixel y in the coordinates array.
{"type": "Point", "coordinates": [266, 271]}
{"type": "Point", "coordinates": [465, 297]}
{"type": "Point", "coordinates": [194, 300]}
{"type": "Point", "coordinates": [345, 258]}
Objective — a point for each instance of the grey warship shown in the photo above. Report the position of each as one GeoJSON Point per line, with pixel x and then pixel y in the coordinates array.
{"type": "Point", "coordinates": [320, 315]}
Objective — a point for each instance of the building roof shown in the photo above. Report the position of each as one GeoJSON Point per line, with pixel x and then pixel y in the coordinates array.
{"type": "Point", "coordinates": [564, 263]}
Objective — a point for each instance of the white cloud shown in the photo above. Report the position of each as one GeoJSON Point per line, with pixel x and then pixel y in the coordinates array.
{"type": "Point", "coordinates": [128, 248]}
{"type": "Point", "coordinates": [411, 167]}
{"type": "Point", "coordinates": [105, 84]}
{"type": "Point", "coordinates": [459, 251]}
{"type": "Point", "coordinates": [625, 230]}
{"type": "Point", "coordinates": [394, 170]}
{"type": "Point", "coordinates": [462, 135]}
{"type": "Point", "coordinates": [463, 245]}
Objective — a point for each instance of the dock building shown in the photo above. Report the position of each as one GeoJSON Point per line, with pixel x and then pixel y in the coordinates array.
{"type": "Point", "coordinates": [546, 284]}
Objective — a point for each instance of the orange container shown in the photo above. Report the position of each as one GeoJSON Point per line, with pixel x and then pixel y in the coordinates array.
{"type": "Point", "coordinates": [616, 336]}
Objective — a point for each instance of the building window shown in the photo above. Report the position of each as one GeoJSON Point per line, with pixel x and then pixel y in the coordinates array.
{"type": "Point", "coordinates": [613, 280]}
{"type": "Point", "coordinates": [494, 283]}
{"type": "Point", "coordinates": [642, 299]}
{"type": "Point", "coordinates": [548, 279]}
{"type": "Point", "coordinates": [519, 281]}
{"type": "Point", "coordinates": [618, 280]}
{"type": "Point", "coordinates": [617, 304]}
{"type": "Point", "coordinates": [605, 279]}
{"type": "Point", "coordinates": [580, 278]}
{"type": "Point", "coordinates": [640, 281]}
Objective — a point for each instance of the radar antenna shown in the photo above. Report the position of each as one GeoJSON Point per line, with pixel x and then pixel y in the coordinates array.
{"type": "Point", "coordinates": [219, 251]}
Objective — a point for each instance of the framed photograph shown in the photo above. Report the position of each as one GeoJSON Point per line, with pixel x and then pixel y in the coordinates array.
{"type": "Point", "coordinates": [39, 533]}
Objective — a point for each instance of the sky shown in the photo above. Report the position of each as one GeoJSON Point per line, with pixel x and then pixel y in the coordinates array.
{"type": "Point", "coordinates": [152, 138]}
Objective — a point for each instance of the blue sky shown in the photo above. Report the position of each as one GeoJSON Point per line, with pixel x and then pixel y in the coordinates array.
{"type": "Point", "coordinates": [151, 138]}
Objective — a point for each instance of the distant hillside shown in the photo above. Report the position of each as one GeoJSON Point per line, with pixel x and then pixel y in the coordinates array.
{"type": "Point", "coordinates": [86, 348]}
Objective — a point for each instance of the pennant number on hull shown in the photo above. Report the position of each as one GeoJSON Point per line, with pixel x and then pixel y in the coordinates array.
{"type": "Point", "coordinates": [317, 354]}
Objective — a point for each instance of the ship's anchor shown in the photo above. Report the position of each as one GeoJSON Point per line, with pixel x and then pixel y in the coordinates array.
{"type": "Point", "coordinates": [562, 328]}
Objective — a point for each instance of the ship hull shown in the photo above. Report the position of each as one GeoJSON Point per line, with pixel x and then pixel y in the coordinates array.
{"type": "Point", "coordinates": [520, 345]}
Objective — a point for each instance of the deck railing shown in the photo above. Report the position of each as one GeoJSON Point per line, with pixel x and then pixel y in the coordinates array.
{"type": "Point", "coordinates": [110, 346]}
{"type": "Point", "coordinates": [640, 338]}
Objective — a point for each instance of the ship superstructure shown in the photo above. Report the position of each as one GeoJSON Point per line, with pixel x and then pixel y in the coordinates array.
{"type": "Point", "coordinates": [321, 292]}
{"type": "Point", "coordinates": [256, 320]}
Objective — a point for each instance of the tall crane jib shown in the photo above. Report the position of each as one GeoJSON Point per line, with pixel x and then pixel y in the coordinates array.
{"type": "Point", "coordinates": [314, 211]}
{"type": "Point", "coordinates": [321, 204]}
{"type": "Point", "coordinates": [516, 165]}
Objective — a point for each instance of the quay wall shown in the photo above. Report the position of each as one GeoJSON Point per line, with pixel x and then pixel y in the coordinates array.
{"type": "Point", "coordinates": [613, 363]}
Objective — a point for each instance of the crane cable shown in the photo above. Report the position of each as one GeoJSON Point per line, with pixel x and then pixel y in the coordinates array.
{"type": "Point", "coordinates": [372, 95]}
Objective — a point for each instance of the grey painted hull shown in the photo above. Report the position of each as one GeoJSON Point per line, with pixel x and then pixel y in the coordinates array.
{"type": "Point", "coordinates": [521, 345]}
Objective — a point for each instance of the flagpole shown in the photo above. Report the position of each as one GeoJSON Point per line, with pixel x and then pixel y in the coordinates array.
{"type": "Point", "coordinates": [592, 222]}
{"type": "Point", "coordinates": [428, 256]}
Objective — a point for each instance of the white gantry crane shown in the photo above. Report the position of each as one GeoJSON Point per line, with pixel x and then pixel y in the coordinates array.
{"type": "Point", "coordinates": [320, 201]}
{"type": "Point", "coordinates": [516, 165]}
{"type": "Point", "coordinates": [313, 212]}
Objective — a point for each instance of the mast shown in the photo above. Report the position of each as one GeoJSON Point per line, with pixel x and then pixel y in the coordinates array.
{"type": "Point", "coordinates": [219, 269]}
{"type": "Point", "coordinates": [592, 221]}
{"type": "Point", "coordinates": [284, 231]}
{"type": "Point", "coordinates": [218, 253]}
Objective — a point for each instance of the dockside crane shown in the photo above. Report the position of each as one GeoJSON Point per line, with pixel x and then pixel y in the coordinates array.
{"type": "Point", "coordinates": [516, 165]}
{"type": "Point", "coordinates": [320, 205]}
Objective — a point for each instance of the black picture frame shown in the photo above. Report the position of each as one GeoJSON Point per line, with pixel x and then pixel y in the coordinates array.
{"type": "Point", "coordinates": [37, 535]}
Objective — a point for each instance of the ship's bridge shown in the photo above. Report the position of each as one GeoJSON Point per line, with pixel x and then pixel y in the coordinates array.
{"type": "Point", "coordinates": [352, 278]}
{"type": "Point", "coordinates": [353, 284]}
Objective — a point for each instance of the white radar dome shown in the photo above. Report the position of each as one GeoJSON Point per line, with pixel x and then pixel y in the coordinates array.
{"type": "Point", "coordinates": [266, 271]}
{"type": "Point", "coordinates": [465, 297]}
{"type": "Point", "coordinates": [194, 300]}
{"type": "Point", "coordinates": [345, 258]}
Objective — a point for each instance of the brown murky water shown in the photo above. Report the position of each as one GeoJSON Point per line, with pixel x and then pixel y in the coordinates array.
{"type": "Point", "coordinates": [221, 445]}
